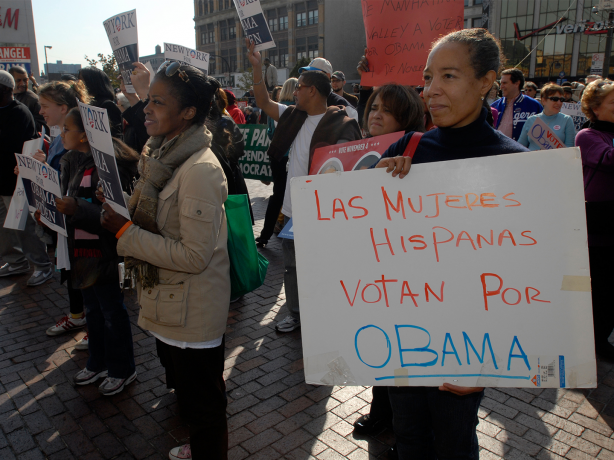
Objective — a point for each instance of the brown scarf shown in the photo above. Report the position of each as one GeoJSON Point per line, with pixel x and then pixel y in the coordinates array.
{"type": "Point", "coordinates": [156, 166]}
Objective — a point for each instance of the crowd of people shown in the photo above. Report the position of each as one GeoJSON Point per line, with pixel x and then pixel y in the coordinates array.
{"type": "Point", "coordinates": [177, 145]}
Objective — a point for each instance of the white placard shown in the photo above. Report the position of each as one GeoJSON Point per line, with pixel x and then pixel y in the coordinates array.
{"type": "Point", "coordinates": [254, 24]}
{"type": "Point", "coordinates": [472, 272]}
{"type": "Point", "coordinates": [96, 123]}
{"type": "Point", "coordinates": [41, 186]}
{"type": "Point", "coordinates": [574, 110]}
{"type": "Point", "coordinates": [122, 32]}
{"type": "Point", "coordinates": [188, 56]}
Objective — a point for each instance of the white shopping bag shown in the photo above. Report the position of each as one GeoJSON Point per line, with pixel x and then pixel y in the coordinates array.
{"type": "Point", "coordinates": [18, 210]}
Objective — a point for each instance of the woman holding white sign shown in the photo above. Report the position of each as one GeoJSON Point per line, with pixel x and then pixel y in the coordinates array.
{"type": "Point", "coordinates": [562, 126]}
{"type": "Point", "coordinates": [597, 145]}
{"type": "Point", "coordinates": [176, 247]}
{"type": "Point", "coordinates": [440, 423]}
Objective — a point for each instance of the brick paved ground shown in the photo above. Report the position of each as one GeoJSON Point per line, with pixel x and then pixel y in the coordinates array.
{"type": "Point", "coordinates": [272, 413]}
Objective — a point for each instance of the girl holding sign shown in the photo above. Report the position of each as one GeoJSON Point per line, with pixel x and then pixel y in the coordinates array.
{"type": "Point", "coordinates": [176, 246]}
{"type": "Point", "coordinates": [461, 68]}
{"type": "Point", "coordinates": [562, 126]}
{"type": "Point", "coordinates": [94, 260]}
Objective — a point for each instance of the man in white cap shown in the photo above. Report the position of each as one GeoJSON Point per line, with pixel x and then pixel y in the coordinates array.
{"type": "Point", "coordinates": [322, 65]}
{"type": "Point", "coordinates": [17, 247]}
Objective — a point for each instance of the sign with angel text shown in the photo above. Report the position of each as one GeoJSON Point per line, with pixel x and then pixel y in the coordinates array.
{"type": "Point", "coordinates": [42, 185]}
{"type": "Point", "coordinates": [399, 36]}
{"type": "Point", "coordinates": [254, 23]}
{"type": "Point", "coordinates": [15, 56]}
{"type": "Point", "coordinates": [188, 56]}
{"type": "Point", "coordinates": [472, 272]}
{"type": "Point", "coordinates": [122, 33]}
{"type": "Point", "coordinates": [574, 110]}
{"type": "Point", "coordinates": [542, 135]}
{"type": "Point", "coordinates": [352, 156]}
{"type": "Point", "coordinates": [255, 164]}
{"type": "Point", "coordinates": [96, 123]}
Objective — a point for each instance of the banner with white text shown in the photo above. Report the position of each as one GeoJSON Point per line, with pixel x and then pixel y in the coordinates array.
{"type": "Point", "coordinates": [96, 123]}
{"type": "Point", "coordinates": [185, 55]}
{"type": "Point", "coordinates": [254, 23]}
{"type": "Point", "coordinates": [471, 272]}
{"type": "Point", "coordinates": [255, 164]}
{"type": "Point", "coordinates": [124, 39]}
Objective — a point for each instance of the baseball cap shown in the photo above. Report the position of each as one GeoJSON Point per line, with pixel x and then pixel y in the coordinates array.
{"type": "Point", "coordinates": [338, 75]}
{"type": "Point", "coordinates": [320, 64]}
{"type": "Point", "coordinates": [7, 79]}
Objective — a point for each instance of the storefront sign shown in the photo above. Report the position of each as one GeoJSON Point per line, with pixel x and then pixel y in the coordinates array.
{"type": "Point", "coordinates": [472, 272]}
{"type": "Point", "coordinates": [12, 56]}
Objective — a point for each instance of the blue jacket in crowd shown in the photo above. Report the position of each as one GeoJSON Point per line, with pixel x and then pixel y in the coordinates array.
{"type": "Point", "coordinates": [524, 107]}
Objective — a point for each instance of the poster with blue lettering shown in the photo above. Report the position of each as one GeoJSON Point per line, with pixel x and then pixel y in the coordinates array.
{"type": "Point", "coordinates": [42, 185]}
{"type": "Point", "coordinates": [122, 33]}
{"type": "Point", "coordinates": [96, 123]}
{"type": "Point", "coordinates": [185, 55]}
{"type": "Point", "coordinates": [471, 272]}
{"type": "Point", "coordinates": [254, 23]}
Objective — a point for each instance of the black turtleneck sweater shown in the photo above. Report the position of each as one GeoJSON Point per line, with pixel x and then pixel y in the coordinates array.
{"type": "Point", "coordinates": [477, 139]}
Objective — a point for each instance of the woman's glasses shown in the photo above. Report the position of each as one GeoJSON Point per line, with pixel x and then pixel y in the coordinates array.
{"type": "Point", "coordinates": [173, 67]}
{"type": "Point", "coordinates": [557, 99]}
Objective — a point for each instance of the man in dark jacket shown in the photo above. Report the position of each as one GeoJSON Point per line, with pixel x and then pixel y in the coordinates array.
{"type": "Point", "coordinates": [17, 247]}
{"type": "Point", "coordinates": [337, 79]}
{"type": "Point", "coordinates": [27, 97]}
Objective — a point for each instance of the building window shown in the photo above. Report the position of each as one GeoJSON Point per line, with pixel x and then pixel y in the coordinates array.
{"type": "Point", "coordinates": [313, 17]}
{"type": "Point", "coordinates": [283, 53]}
{"type": "Point", "coordinates": [301, 19]}
{"type": "Point", "coordinates": [301, 48]}
{"type": "Point", "coordinates": [223, 31]}
{"type": "Point", "coordinates": [207, 34]}
{"type": "Point", "coordinates": [477, 2]}
{"type": "Point", "coordinates": [211, 33]}
{"type": "Point", "coordinates": [200, 8]}
{"type": "Point", "coordinates": [272, 19]}
{"type": "Point", "coordinates": [232, 29]}
{"type": "Point", "coordinates": [220, 5]}
{"type": "Point", "coordinates": [283, 23]}
{"type": "Point", "coordinates": [476, 22]}
{"type": "Point", "coordinates": [312, 47]}
{"type": "Point", "coordinates": [274, 58]}
{"type": "Point", "coordinates": [210, 6]}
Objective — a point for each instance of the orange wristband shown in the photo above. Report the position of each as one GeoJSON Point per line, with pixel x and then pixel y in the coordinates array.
{"type": "Point", "coordinates": [119, 234]}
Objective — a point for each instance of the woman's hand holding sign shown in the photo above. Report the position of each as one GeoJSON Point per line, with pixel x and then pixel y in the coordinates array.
{"type": "Point", "coordinates": [110, 220]}
{"type": "Point", "coordinates": [67, 205]}
{"type": "Point", "coordinates": [398, 166]}
{"type": "Point", "coordinates": [140, 80]}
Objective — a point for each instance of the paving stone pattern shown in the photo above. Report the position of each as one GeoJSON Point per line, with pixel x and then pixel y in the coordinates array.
{"type": "Point", "coordinates": [272, 413]}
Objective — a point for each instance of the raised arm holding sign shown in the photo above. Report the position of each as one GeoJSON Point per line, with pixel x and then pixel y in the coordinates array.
{"type": "Point", "coordinates": [122, 32]}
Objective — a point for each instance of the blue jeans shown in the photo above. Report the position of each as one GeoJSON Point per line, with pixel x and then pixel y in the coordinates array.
{"type": "Point", "coordinates": [290, 280]}
{"type": "Point", "coordinates": [109, 330]}
{"type": "Point", "coordinates": [435, 425]}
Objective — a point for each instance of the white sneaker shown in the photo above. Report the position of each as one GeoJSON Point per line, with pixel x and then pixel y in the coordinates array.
{"type": "Point", "coordinates": [8, 270]}
{"type": "Point", "coordinates": [85, 376]}
{"type": "Point", "coordinates": [112, 385]}
{"type": "Point", "coordinates": [82, 344]}
{"type": "Point", "coordinates": [39, 277]}
{"type": "Point", "coordinates": [66, 324]}
{"type": "Point", "coordinates": [288, 324]}
{"type": "Point", "coordinates": [180, 453]}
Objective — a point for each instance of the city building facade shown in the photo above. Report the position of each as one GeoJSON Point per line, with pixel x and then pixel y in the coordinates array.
{"type": "Point", "coordinates": [59, 68]}
{"type": "Point", "coordinates": [155, 60]}
{"type": "Point", "coordinates": [18, 39]}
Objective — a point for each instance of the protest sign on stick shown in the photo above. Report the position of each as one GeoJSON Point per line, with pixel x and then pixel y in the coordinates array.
{"type": "Point", "coordinates": [122, 33]}
{"type": "Point", "coordinates": [471, 272]}
{"type": "Point", "coordinates": [352, 156]}
{"type": "Point", "coordinates": [96, 123]}
{"type": "Point", "coordinates": [254, 24]}
{"type": "Point", "coordinates": [255, 163]}
{"type": "Point", "coordinates": [188, 56]}
{"type": "Point", "coordinates": [542, 135]}
{"type": "Point", "coordinates": [41, 186]}
{"type": "Point", "coordinates": [399, 36]}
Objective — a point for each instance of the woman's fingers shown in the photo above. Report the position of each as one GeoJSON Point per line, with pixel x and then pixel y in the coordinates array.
{"type": "Point", "coordinates": [398, 166]}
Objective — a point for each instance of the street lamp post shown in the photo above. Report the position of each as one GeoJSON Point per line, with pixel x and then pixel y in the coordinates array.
{"type": "Point", "coordinates": [47, 63]}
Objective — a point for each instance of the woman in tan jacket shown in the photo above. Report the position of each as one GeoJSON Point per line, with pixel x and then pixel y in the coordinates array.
{"type": "Point", "coordinates": [175, 245]}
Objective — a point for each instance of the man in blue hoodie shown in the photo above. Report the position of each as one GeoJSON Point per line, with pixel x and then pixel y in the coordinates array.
{"type": "Point", "coordinates": [514, 107]}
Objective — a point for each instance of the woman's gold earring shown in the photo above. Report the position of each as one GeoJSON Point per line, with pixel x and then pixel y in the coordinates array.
{"type": "Point", "coordinates": [482, 97]}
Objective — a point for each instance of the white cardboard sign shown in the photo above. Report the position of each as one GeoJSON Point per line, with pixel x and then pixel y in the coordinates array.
{"type": "Point", "coordinates": [186, 55]}
{"type": "Point", "coordinates": [122, 32]}
{"type": "Point", "coordinates": [574, 110]}
{"type": "Point", "coordinates": [96, 123]}
{"type": "Point", "coordinates": [254, 23]}
{"type": "Point", "coordinates": [472, 272]}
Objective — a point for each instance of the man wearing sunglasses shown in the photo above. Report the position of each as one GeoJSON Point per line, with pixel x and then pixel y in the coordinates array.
{"type": "Point", "coordinates": [300, 129]}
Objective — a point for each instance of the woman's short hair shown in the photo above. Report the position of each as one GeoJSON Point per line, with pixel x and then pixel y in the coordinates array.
{"type": "Point", "coordinates": [65, 93]}
{"type": "Point", "coordinates": [275, 93]}
{"type": "Point", "coordinates": [287, 91]}
{"type": "Point", "coordinates": [550, 89]}
{"type": "Point", "coordinates": [593, 96]}
{"type": "Point", "coordinates": [198, 92]}
{"type": "Point", "coordinates": [403, 103]}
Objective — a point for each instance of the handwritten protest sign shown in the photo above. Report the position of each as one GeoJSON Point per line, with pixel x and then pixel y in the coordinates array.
{"type": "Point", "coordinates": [472, 272]}
{"type": "Point", "coordinates": [352, 156]}
{"type": "Point", "coordinates": [42, 185]}
{"type": "Point", "coordinates": [255, 164]}
{"type": "Point", "coordinates": [399, 36]}
{"type": "Point", "coordinates": [186, 55]}
{"type": "Point", "coordinates": [96, 123]}
{"type": "Point", "coordinates": [574, 110]}
{"type": "Point", "coordinates": [542, 135]}
{"type": "Point", "coordinates": [254, 23]}
{"type": "Point", "coordinates": [122, 33]}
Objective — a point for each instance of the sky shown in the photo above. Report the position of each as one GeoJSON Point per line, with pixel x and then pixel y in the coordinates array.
{"type": "Point", "coordinates": [74, 27]}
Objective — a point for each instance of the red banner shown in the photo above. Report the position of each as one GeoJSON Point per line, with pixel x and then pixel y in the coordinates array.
{"type": "Point", "coordinates": [14, 53]}
{"type": "Point", "coordinates": [400, 33]}
{"type": "Point", "coordinates": [352, 156]}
